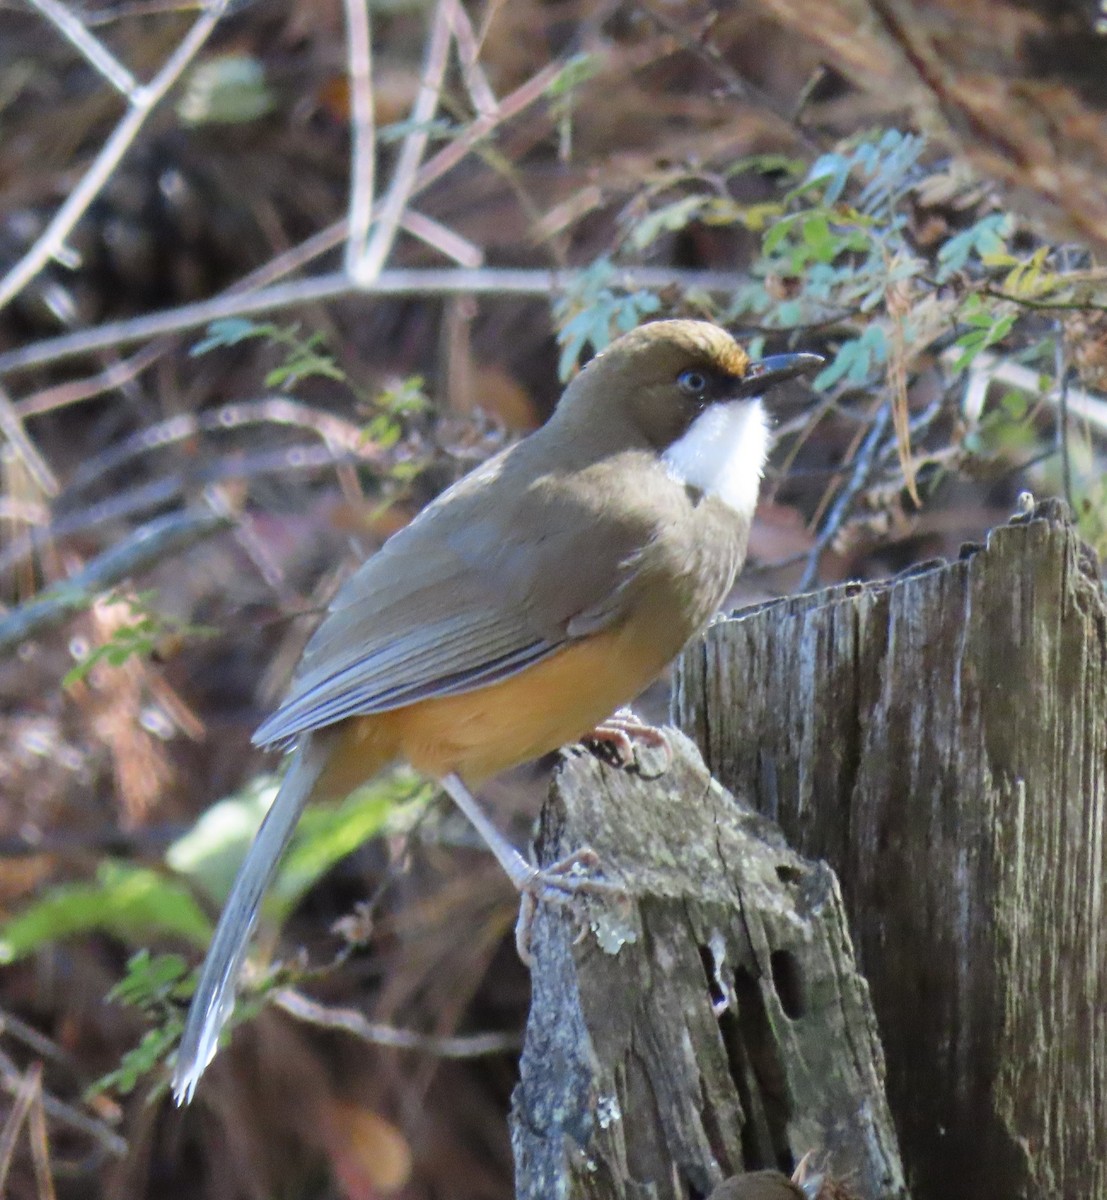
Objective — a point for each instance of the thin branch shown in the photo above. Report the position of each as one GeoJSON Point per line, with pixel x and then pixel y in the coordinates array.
{"type": "Point", "coordinates": [17, 1029]}
{"type": "Point", "coordinates": [1061, 373]}
{"type": "Point", "coordinates": [91, 47]}
{"type": "Point", "coordinates": [359, 70]}
{"type": "Point", "coordinates": [323, 288]}
{"type": "Point", "coordinates": [523, 96]}
{"type": "Point", "coordinates": [350, 1021]}
{"type": "Point", "coordinates": [143, 101]}
{"type": "Point", "coordinates": [23, 1088]}
{"type": "Point", "coordinates": [367, 266]}
{"type": "Point", "coordinates": [159, 492]}
{"type": "Point", "coordinates": [334, 431]}
{"type": "Point", "coordinates": [117, 374]}
{"type": "Point", "coordinates": [39, 1140]}
{"type": "Point", "coordinates": [989, 368]}
{"type": "Point", "coordinates": [862, 470]}
{"type": "Point", "coordinates": [64, 1113]}
{"type": "Point", "coordinates": [145, 548]}
{"type": "Point", "coordinates": [11, 426]}
{"type": "Point", "coordinates": [468, 49]}
{"type": "Point", "coordinates": [443, 239]}
{"type": "Point", "coordinates": [484, 281]}
{"type": "Point", "coordinates": [1043, 305]}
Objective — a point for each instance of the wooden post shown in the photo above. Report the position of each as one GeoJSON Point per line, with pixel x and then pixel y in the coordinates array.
{"type": "Point", "coordinates": [941, 740]}
{"type": "Point", "coordinates": [712, 1023]}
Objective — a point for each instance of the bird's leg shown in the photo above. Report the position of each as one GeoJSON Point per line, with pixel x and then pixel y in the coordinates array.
{"type": "Point", "coordinates": [621, 730]}
{"type": "Point", "coordinates": [561, 882]}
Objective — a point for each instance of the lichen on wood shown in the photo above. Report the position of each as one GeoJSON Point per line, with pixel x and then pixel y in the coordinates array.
{"type": "Point", "coordinates": [712, 1023]}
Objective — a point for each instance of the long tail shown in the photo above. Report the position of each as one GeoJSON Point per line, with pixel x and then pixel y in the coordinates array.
{"type": "Point", "coordinates": [213, 1001]}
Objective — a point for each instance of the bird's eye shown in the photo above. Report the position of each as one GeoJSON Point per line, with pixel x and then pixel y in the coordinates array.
{"type": "Point", "coordinates": [694, 383]}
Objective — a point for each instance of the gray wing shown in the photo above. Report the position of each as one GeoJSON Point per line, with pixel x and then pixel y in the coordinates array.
{"type": "Point", "coordinates": [391, 639]}
{"type": "Point", "coordinates": [465, 596]}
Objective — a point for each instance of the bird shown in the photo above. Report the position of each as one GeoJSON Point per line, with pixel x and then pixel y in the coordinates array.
{"type": "Point", "coordinates": [520, 609]}
{"type": "Point", "coordinates": [759, 1185]}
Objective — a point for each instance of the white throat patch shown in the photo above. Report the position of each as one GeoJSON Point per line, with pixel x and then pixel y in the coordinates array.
{"type": "Point", "coordinates": [723, 453]}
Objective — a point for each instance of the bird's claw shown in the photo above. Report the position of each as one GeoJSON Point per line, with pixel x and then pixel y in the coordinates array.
{"type": "Point", "coordinates": [564, 882]}
{"type": "Point", "coordinates": [624, 735]}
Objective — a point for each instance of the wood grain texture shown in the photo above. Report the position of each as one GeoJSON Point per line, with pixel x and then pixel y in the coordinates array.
{"type": "Point", "coordinates": [722, 1028]}
{"type": "Point", "coordinates": [941, 740]}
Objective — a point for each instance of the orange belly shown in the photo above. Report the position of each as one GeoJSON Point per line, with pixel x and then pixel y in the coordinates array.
{"type": "Point", "coordinates": [478, 734]}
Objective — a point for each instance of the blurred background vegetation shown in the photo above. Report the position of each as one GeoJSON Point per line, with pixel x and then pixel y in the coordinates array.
{"type": "Point", "coordinates": [184, 483]}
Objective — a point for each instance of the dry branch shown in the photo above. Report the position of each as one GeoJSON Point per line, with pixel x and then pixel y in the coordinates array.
{"type": "Point", "coordinates": [153, 543]}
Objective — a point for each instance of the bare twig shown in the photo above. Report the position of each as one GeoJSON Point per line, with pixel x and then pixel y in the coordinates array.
{"type": "Point", "coordinates": [448, 243]}
{"type": "Point", "coordinates": [368, 264]}
{"type": "Point", "coordinates": [359, 71]}
{"type": "Point", "coordinates": [468, 49]}
{"type": "Point", "coordinates": [116, 374]}
{"type": "Point", "coordinates": [863, 465]}
{"type": "Point", "coordinates": [11, 426]}
{"type": "Point", "coordinates": [91, 47]}
{"type": "Point", "coordinates": [484, 281]}
{"type": "Point", "coordinates": [523, 96]}
{"type": "Point", "coordinates": [23, 1088]}
{"type": "Point", "coordinates": [25, 512]}
{"type": "Point", "coordinates": [30, 1037]}
{"type": "Point", "coordinates": [40, 1142]}
{"type": "Point", "coordinates": [66, 1114]}
{"type": "Point", "coordinates": [349, 1020]}
{"type": "Point", "coordinates": [326, 287]}
{"type": "Point", "coordinates": [159, 492]}
{"type": "Point", "coordinates": [1061, 373]}
{"type": "Point", "coordinates": [335, 432]}
{"type": "Point", "coordinates": [158, 540]}
{"type": "Point", "coordinates": [143, 99]}
{"type": "Point", "coordinates": [990, 368]}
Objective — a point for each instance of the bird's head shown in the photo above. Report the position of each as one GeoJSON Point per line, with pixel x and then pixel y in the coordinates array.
{"type": "Point", "coordinates": [690, 391]}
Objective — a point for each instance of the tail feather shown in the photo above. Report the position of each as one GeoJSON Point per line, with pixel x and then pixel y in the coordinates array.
{"type": "Point", "coordinates": [213, 1001]}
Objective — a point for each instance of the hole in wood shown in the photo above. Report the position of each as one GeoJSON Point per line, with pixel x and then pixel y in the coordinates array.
{"type": "Point", "coordinates": [788, 982]}
{"type": "Point", "coordinates": [755, 1066]}
{"type": "Point", "coordinates": [719, 1000]}
{"type": "Point", "coordinates": [787, 873]}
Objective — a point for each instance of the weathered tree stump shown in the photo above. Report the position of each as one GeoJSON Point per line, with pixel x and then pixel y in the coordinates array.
{"type": "Point", "coordinates": [713, 1023]}
{"type": "Point", "coordinates": [941, 740]}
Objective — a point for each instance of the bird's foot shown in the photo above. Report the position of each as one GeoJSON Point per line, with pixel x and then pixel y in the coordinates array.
{"type": "Point", "coordinates": [624, 736]}
{"type": "Point", "coordinates": [572, 880]}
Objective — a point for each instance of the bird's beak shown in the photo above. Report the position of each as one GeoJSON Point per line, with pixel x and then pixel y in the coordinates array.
{"type": "Point", "coordinates": [766, 374]}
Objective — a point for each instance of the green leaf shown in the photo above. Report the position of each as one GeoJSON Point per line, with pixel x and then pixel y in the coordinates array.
{"type": "Point", "coordinates": [139, 637]}
{"type": "Point", "coordinates": [229, 331]}
{"type": "Point", "coordinates": [210, 853]}
{"type": "Point", "coordinates": [668, 219]}
{"type": "Point", "coordinates": [134, 904]}
{"type": "Point", "coordinates": [577, 70]}
{"type": "Point", "coordinates": [136, 1064]}
{"type": "Point", "coordinates": [150, 979]}
{"type": "Point", "coordinates": [326, 836]}
{"type": "Point", "coordinates": [831, 173]}
{"type": "Point", "coordinates": [986, 237]}
{"type": "Point", "coordinates": [593, 310]}
{"type": "Point", "coordinates": [229, 89]}
{"type": "Point", "coordinates": [408, 396]}
{"type": "Point", "coordinates": [855, 360]}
